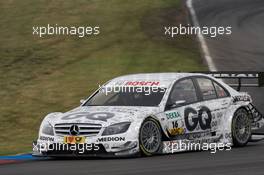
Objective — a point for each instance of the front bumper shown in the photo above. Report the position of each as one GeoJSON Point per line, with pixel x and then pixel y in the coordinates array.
{"type": "Point", "coordinates": [108, 149]}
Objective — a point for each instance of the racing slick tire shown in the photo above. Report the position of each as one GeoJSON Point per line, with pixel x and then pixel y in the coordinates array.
{"type": "Point", "coordinates": [150, 138]}
{"type": "Point", "coordinates": [241, 128]}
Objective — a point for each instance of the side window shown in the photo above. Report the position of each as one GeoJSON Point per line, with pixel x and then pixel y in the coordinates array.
{"type": "Point", "coordinates": [207, 88]}
{"type": "Point", "coordinates": [220, 91]}
{"type": "Point", "coordinates": [183, 90]}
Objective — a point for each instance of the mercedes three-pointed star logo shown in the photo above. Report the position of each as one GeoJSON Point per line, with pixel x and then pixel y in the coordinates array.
{"type": "Point", "coordinates": [74, 130]}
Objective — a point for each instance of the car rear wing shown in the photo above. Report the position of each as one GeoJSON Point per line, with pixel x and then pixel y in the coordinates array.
{"type": "Point", "coordinates": [253, 79]}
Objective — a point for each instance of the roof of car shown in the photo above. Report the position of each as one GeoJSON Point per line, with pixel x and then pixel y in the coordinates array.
{"type": "Point", "coordinates": [164, 78]}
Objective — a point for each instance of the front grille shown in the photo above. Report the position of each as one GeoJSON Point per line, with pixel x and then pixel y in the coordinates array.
{"type": "Point", "coordinates": [85, 129]}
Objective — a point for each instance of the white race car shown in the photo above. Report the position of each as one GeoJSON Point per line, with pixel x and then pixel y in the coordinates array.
{"type": "Point", "coordinates": [151, 114]}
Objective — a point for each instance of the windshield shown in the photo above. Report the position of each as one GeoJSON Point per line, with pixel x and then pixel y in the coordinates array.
{"type": "Point", "coordinates": [138, 96]}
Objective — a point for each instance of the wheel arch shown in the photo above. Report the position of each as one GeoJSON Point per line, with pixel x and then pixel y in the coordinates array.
{"type": "Point", "coordinates": [234, 142]}
{"type": "Point", "coordinates": [240, 107]}
{"type": "Point", "coordinates": [164, 137]}
{"type": "Point", "coordinates": [228, 120]}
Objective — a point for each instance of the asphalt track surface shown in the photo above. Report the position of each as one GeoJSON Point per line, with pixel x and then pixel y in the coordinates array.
{"type": "Point", "coordinates": [242, 51]}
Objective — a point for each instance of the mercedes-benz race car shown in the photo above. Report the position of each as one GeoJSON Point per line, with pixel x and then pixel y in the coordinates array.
{"type": "Point", "coordinates": [152, 114]}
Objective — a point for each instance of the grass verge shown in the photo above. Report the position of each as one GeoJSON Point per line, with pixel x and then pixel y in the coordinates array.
{"type": "Point", "coordinates": [42, 75]}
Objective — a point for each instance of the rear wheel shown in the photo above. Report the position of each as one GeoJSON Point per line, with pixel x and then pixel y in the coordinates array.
{"type": "Point", "coordinates": [150, 137]}
{"type": "Point", "coordinates": [241, 128]}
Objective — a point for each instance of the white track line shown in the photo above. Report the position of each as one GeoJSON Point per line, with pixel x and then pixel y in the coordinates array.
{"type": "Point", "coordinates": [201, 38]}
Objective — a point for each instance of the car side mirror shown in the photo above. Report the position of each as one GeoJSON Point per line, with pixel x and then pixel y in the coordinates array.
{"type": "Point", "coordinates": [82, 101]}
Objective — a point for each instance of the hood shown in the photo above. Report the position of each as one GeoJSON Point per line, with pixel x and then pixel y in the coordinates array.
{"type": "Point", "coordinates": [103, 115]}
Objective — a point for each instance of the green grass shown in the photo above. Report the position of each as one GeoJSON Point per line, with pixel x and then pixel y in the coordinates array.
{"type": "Point", "coordinates": [42, 75]}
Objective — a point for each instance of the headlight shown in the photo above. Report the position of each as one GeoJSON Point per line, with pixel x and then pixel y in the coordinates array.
{"type": "Point", "coordinates": [116, 128]}
{"type": "Point", "coordinates": [47, 129]}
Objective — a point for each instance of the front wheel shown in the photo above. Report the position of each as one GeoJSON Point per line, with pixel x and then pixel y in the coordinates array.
{"type": "Point", "coordinates": [150, 137]}
{"type": "Point", "coordinates": [241, 128]}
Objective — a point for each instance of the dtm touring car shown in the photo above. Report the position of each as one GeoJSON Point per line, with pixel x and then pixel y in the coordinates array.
{"type": "Point", "coordinates": [143, 114]}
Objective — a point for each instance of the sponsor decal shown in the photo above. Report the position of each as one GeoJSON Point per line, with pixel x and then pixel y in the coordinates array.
{"type": "Point", "coordinates": [235, 75]}
{"type": "Point", "coordinates": [191, 136]}
{"type": "Point", "coordinates": [175, 124]}
{"type": "Point", "coordinates": [219, 115]}
{"type": "Point", "coordinates": [73, 139]}
{"type": "Point", "coordinates": [172, 115]}
{"type": "Point", "coordinates": [103, 116]}
{"type": "Point", "coordinates": [111, 139]}
{"type": "Point", "coordinates": [241, 98]}
{"type": "Point", "coordinates": [195, 136]}
{"type": "Point", "coordinates": [228, 135]}
{"type": "Point", "coordinates": [142, 83]}
{"type": "Point", "coordinates": [44, 138]}
{"type": "Point", "coordinates": [203, 117]}
{"type": "Point", "coordinates": [214, 124]}
{"type": "Point", "coordinates": [176, 131]}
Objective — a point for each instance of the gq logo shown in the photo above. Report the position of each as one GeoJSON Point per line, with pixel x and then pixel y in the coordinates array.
{"type": "Point", "coordinates": [203, 117]}
{"type": "Point", "coordinates": [103, 116]}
